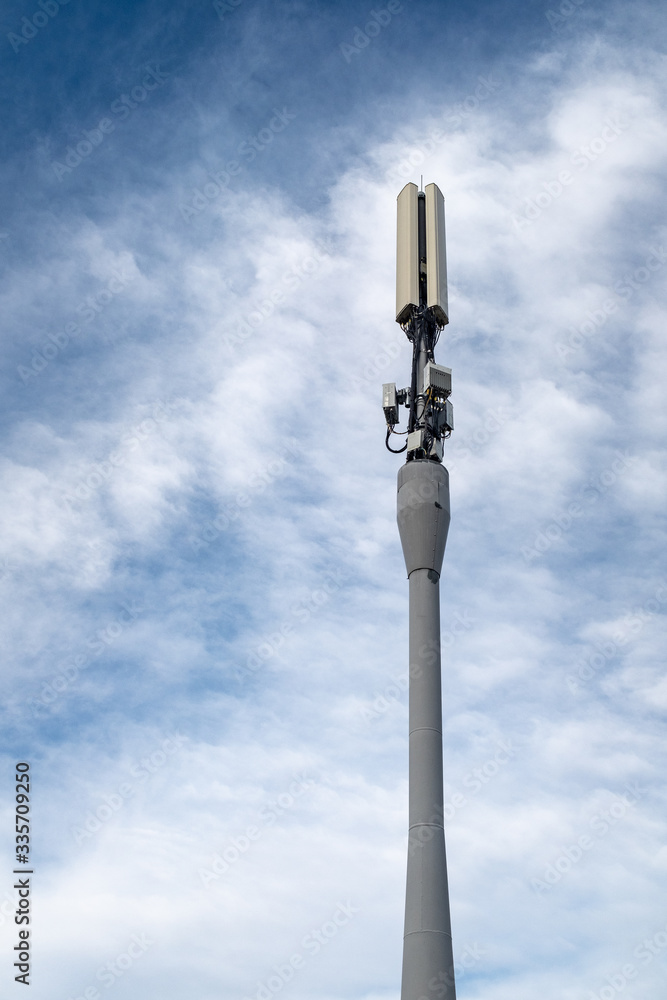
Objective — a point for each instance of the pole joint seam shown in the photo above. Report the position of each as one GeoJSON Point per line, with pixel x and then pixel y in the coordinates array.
{"type": "Point", "coordinates": [427, 930]}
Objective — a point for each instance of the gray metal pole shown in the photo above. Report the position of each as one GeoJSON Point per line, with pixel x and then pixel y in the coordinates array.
{"type": "Point", "coordinates": [423, 521]}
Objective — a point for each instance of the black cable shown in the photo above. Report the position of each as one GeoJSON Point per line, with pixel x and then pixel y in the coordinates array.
{"type": "Point", "coordinates": [412, 418]}
{"type": "Point", "coordinates": [394, 451]}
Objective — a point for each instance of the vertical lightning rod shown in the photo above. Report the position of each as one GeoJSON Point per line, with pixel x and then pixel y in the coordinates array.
{"type": "Point", "coordinates": [423, 523]}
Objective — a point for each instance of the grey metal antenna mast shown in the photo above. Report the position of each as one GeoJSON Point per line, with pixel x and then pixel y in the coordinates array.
{"type": "Point", "coordinates": [423, 522]}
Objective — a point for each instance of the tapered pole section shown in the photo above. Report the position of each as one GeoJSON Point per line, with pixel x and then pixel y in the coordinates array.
{"type": "Point", "coordinates": [423, 520]}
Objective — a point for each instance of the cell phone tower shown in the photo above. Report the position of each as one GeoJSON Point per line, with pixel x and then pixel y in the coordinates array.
{"type": "Point", "coordinates": [423, 522]}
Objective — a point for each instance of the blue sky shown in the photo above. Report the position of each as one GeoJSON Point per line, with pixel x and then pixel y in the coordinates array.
{"type": "Point", "coordinates": [204, 598]}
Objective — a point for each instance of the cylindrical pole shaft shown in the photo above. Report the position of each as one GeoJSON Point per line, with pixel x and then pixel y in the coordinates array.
{"type": "Point", "coordinates": [428, 965]}
{"type": "Point", "coordinates": [423, 521]}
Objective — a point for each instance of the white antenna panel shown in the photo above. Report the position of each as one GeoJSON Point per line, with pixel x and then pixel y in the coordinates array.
{"type": "Point", "coordinates": [407, 253]}
{"type": "Point", "coordinates": [436, 254]}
